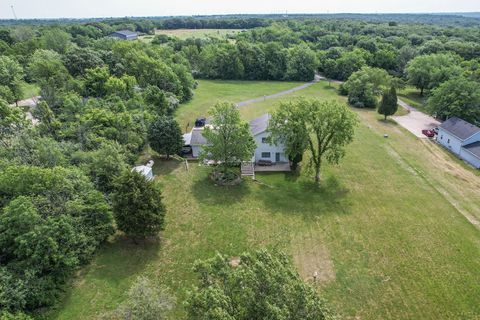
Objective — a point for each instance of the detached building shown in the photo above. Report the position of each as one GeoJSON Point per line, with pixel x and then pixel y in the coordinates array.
{"type": "Point", "coordinates": [145, 170]}
{"type": "Point", "coordinates": [125, 35]}
{"type": "Point", "coordinates": [461, 138]}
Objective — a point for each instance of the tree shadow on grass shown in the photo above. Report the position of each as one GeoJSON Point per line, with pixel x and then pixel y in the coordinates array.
{"type": "Point", "coordinates": [109, 275]}
{"type": "Point", "coordinates": [302, 197]}
{"type": "Point", "coordinates": [206, 192]}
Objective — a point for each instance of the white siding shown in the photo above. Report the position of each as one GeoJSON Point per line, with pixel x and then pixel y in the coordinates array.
{"type": "Point", "coordinates": [449, 141]}
{"type": "Point", "coordinates": [472, 139]}
{"type": "Point", "coordinates": [470, 158]}
{"type": "Point", "coordinates": [268, 148]}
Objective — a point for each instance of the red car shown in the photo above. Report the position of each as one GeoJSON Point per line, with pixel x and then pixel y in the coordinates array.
{"type": "Point", "coordinates": [429, 133]}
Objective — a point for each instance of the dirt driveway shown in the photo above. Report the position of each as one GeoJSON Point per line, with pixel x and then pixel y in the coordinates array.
{"type": "Point", "coordinates": [415, 121]}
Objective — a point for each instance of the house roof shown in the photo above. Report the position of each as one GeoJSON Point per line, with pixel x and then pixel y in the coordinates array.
{"type": "Point", "coordinates": [260, 124]}
{"type": "Point", "coordinates": [197, 138]}
{"type": "Point", "coordinates": [473, 148]}
{"type": "Point", "coordinates": [460, 128]}
{"type": "Point", "coordinates": [187, 137]}
{"type": "Point", "coordinates": [126, 33]}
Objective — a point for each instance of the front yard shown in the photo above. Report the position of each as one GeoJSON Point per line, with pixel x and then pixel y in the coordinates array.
{"type": "Point", "coordinates": [385, 230]}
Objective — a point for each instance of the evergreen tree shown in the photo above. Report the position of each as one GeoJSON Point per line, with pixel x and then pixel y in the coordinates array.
{"type": "Point", "coordinates": [137, 205]}
{"type": "Point", "coordinates": [165, 136]}
{"type": "Point", "coordinates": [389, 104]}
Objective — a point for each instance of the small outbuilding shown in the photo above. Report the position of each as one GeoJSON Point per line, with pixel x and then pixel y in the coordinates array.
{"type": "Point", "coordinates": [125, 35]}
{"type": "Point", "coordinates": [461, 138]}
{"type": "Point", "coordinates": [145, 170]}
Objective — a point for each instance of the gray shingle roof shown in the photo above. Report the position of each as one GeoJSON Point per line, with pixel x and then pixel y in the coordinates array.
{"type": "Point", "coordinates": [460, 128]}
{"type": "Point", "coordinates": [126, 33]}
{"type": "Point", "coordinates": [474, 148]}
{"type": "Point", "coordinates": [197, 138]}
{"type": "Point", "coordinates": [259, 124]}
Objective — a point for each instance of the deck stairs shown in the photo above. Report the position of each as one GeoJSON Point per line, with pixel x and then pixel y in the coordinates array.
{"type": "Point", "coordinates": [248, 169]}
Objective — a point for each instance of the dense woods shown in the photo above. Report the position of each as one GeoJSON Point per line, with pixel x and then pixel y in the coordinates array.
{"type": "Point", "coordinates": [102, 100]}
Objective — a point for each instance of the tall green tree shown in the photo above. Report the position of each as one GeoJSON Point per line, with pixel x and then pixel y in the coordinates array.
{"type": "Point", "coordinates": [429, 71]}
{"type": "Point", "coordinates": [458, 97]}
{"type": "Point", "coordinates": [229, 139]}
{"type": "Point", "coordinates": [389, 104]}
{"type": "Point", "coordinates": [165, 136]}
{"type": "Point", "coordinates": [326, 126]}
{"type": "Point", "coordinates": [137, 205]}
{"type": "Point", "coordinates": [258, 285]}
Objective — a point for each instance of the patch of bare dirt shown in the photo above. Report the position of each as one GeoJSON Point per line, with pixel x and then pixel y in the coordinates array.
{"type": "Point", "coordinates": [312, 260]}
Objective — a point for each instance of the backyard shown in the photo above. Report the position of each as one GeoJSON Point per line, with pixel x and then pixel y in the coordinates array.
{"type": "Point", "coordinates": [390, 231]}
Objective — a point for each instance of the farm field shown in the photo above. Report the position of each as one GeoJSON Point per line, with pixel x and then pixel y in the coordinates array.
{"type": "Point", "coordinates": [387, 230]}
{"type": "Point", "coordinates": [195, 33]}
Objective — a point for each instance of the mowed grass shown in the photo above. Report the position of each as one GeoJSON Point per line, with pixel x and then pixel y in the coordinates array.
{"type": "Point", "coordinates": [412, 96]}
{"type": "Point", "coordinates": [384, 230]}
{"type": "Point", "coordinates": [193, 33]}
{"type": "Point", "coordinates": [210, 92]}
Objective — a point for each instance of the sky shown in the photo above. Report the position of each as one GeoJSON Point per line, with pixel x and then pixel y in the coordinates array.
{"type": "Point", "coordinates": [120, 8]}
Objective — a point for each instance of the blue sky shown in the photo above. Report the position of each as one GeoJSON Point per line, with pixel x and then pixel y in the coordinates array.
{"type": "Point", "coordinates": [118, 8]}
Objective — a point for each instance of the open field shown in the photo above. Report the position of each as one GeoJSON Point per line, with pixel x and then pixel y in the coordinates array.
{"type": "Point", "coordinates": [210, 92]}
{"type": "Point", "coordinates": [386, 230]}
{"type": "Point", "coordinates": [412, 96]}
{"type": "Point", "coordinates": [194, 33]}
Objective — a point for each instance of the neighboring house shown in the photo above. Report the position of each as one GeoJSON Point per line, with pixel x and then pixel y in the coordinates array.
{"type": "Point", "coordinates": [125, 35]}
{"type": "Point", "coordinates": [145, 170]}
{"type": "Point", "coordinates": [265, 149]}
{"type": "Point", "coordinates": [462, 138]}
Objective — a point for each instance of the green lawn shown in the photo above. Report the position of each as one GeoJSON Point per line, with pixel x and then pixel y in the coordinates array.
{"type": "Point", "coordinates": [412, 96]}
{"type": "Point", "coordinates": [211, 91]}
{"type": "Point", "coordinates": [193, 33]}
{"type": "Point", "coordinates": [30, 90]}
{"type": "Point", "coordinates": [385, 230]}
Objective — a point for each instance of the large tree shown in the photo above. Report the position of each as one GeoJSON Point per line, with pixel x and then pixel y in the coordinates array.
{"type": "Point", "coordinates": [257, 285]}
{"type": "Point", "coordinates": [365, 85]}
{"type": "Point", "coordinates": [165, 136]}
{"type": "Point", "coordinates": [137, 205]}
{"type": "Point", "coordinates": [458, 97]}
{"type": "Point", "coordinates": [326, 126]}
{"type": "Point", "coordinates": [389, 104]}
{"type": "Point", "coordinates": [429, 71]}
{"type": "Point", "coordinates": [229, 139]}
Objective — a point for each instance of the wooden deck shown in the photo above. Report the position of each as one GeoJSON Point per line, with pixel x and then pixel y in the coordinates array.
{"type": "Point", "coordinates": [278, 167]}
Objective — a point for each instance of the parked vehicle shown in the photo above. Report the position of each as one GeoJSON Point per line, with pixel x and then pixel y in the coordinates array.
{"type": "Point", "coordinates": [428, 133]}
{"type": "Point", "coordinates": [200, 122]}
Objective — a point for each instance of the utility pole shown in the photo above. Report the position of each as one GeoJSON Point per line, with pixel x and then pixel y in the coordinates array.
{"type": "Point", "coordinates": [13, 11]}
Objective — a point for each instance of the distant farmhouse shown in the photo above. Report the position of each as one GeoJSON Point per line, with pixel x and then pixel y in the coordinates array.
{"type": "Point", "coordinates": [125, 35]}
{"type": "Point", "coordinates": [266, 152]}
{"type": "Point", "coordinates": [461, 138]}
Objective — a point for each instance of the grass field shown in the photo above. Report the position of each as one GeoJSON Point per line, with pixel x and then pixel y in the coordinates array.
{"type": "Point", "coordinates": [210, 92]}
{"type": "Point", "coordinates": [386, 230]}
{"type": "Point", "coordinates": [412, 96]}
{"type": "Point", "coordinates": [194, 33]}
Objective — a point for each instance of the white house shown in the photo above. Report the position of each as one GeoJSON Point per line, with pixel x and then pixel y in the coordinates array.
{"type": "Point", "coordinates": [145, 170]}
{"type": "Point", "coordinates": [461, 138]}
{"type": "Point", "coordinates": [265, 150]}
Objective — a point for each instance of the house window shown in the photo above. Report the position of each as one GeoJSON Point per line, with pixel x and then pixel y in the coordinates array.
{"type": "Point", "coordinates": [266, 155]}
{"type": "Point", "coordinates": [266, 140]}
{"type": "Point", "coordinates": [448, 141]}
{"type": "Point", "coordinates": [441, 137]}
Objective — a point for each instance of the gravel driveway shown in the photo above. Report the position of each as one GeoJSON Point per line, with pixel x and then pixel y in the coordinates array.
{"type": "Point", "coordinates": [415, 121]}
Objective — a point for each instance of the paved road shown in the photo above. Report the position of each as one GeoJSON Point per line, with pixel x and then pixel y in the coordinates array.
{"type": "Point", "coordinates": [415, 121]}
{"type": "Point", "coordinates": [279, 94]}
